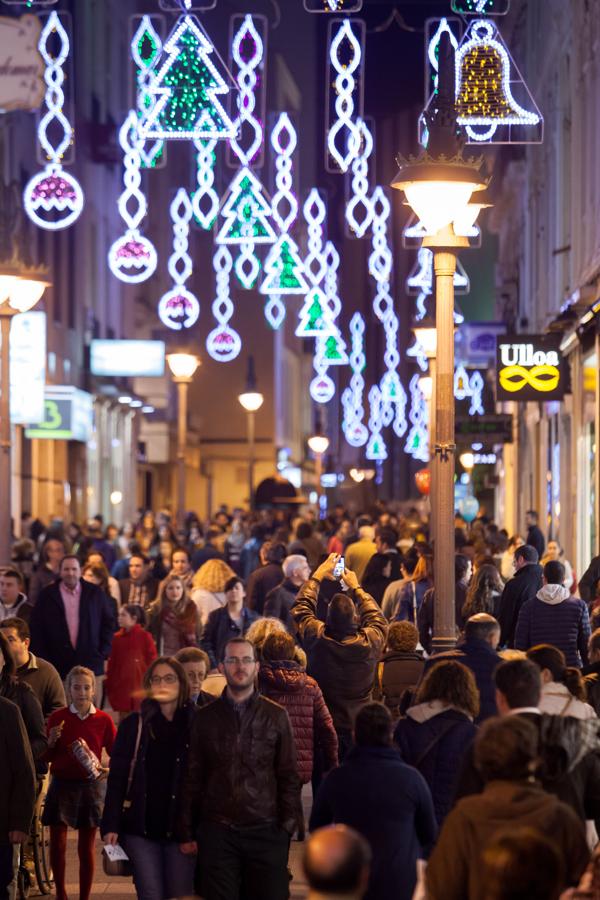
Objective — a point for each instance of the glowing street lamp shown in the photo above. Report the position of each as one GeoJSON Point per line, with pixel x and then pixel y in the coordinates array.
{"type": "Point", "coordinates": [319, 444]}
{"type": "Point", "coordinates": [183, 367]}
{"type": "Point", "coordinates": [251, 400]}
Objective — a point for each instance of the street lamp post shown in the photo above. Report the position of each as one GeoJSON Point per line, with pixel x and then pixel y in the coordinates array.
{"type": "Point", "coordinates": [251, 400]}
{"type": "Point", "coordinates": [183, 367]}
{"type": "Point", "coordinates": [18, 293]}
{"type": "Point", "coordinates": [438, 186]}
{"type": "Point", "coordinates": [319, 444]}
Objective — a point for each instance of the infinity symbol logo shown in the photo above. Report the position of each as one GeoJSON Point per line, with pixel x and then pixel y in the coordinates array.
{"type": "Point", "coordinates": [540, 378]}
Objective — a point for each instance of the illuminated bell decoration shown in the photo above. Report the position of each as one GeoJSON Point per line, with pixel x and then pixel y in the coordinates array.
{"type": "Point", "coordinates": [423, 481]}
{"type": "Point", "coordinates": [187, 88]}
{"type": "Point", "coordinates": [52, 198]}
{"type": "Point", "coordinates": [483, 84]}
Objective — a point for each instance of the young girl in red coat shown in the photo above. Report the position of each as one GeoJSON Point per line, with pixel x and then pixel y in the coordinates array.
{"type": "Point", "coordinates": [74, 798]}
{"type": "Point", "coordinates": [131, 653]}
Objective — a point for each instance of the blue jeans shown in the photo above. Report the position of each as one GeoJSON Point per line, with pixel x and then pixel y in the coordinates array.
{"type": "Point", "coordinates": [160, 869]}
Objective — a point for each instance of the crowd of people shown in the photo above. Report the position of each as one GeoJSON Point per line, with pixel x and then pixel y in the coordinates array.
{"type": "Point", "coordinates": [201, 699]}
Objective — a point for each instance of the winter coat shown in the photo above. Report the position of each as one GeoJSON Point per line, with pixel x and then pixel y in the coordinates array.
{"type": "Point", "coordinates": [343, 665]}
{"type": "Point", "coordinates": [554, 617]}
{"type": "Point", "coordinates": [479, 657]}
{"type": "Point", "coordinates": [389, 803]}
{"type": "Point", "coordinates": [29, 705]}
{"type": "Point", "coordinates": [412, 597]}
{"type": "Point", "coordinates": [358, 555]}
{"type": "Point", "coordinates": [125, 813]}
{"type": "Point", "coordinates": [22, 608]}
{"type": "Point", "coordinates": [396, 673]}
{"type": "Point", "coordinates": [569, 767]}
{"type": "Point", "coordinates": [50, 635]}
{"type": "Point", "coordinates": [426, 611]}
{"type": "Point", "coordinates": [148, 590]}
{"type": "Point", "coordinates": [535, 538]}
{"type": "Point", "coordinates": [311, 547]}
{"type": "Point", "coordinates": [206, 601]}
{"type": "Point", "coordinates": [279, 603]}
{"type": "Point", "coordinates": [185, 624]}
{"type": "Point", "coordinates": [433, 738]}
{"type": "Point", "coordinates": [261, 581]}
{"type": "Point", "coordinates": [589, 580]}
{"type": "Point", "coordinates": [557, 700]}
{"type": "Point", "coordinates": [285, 682]}
{"type": "Point", "coordinates": [220, 628]}
{"type": "Point", "coordinates": [455, 871]}
{"type": "Point", "coordinates": [17, 776]}
{"type": "Point", "coordinates": [523, 587]}
{"type": "Point", "coordinates": [131, 653]}
{"type": "Point", "coordinates": [241, 769]}
{"type": "Point", "coordinates": [381, 570]}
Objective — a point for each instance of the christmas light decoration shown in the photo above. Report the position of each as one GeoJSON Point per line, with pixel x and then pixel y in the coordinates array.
{"type": "Point", "coordinates": [359, 222]}
{"type": "Point", "coordinates": [186, 89]}
{"type": "Point", "coordinates": [315, 316]}
{"type": "Point", "coordinates": [248, 60]}
{"type": "Point", "coordinates": [461, 383]}
{"type": "Point", "coordinates": [205, 200]}
{"type": "Point", "coordinates": [332, 6]}
{"type": "Point", "coordinates": [179, 308]}
{"type": "Point", "coordinates": [345, 56]}
{"type": "Point", "coordinates": [132, 257]}
{"type": "Point", "coordinates": [355, 431]}
{"type": "Point", "coordinates": [284, 269]}
{"type": "Point", "coordinates": [146, 47]}
{"type": "Point", "coordinates": [432, 43]}
{"type": "Point", "coordinates": [334, 345]}
{"type": "Point", "coordinates": [481, 7]}
{"type": "Point", "coordinates": [246, 211]}
{"type": "Point", "coordinates": [376, 448]}
{"type": "Point", "coordinates": [53, 199]}
{"type": "Point", "coordinates": [223, 343]}
{"type": "Point", "coordinates": [417, 440]}
{"type": "Point", "coordinates": [322, 387]}
{"type": "Point", "coordinates": [484, 86]}
{"type": "Point", "coordinates": [476, 385]}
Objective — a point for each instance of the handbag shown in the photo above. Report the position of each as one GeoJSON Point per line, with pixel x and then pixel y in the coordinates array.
{"type": "Point", "coordinates": [114, 859]}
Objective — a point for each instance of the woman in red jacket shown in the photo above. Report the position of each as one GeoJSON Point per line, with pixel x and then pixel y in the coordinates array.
{"type": "Point", "coordinates": [285, 681]}
{"type": "Point", "coordinates": [76, 794]}
{"type": "Point", "coordinates": [132, 652]}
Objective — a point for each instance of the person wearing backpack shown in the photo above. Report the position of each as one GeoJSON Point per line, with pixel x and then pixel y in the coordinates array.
{"type": "Point", "coordinates": [400, 668]}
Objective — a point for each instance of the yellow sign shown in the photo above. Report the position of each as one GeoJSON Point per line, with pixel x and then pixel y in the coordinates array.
{"type": "Point", "coordinates": [540, 378]}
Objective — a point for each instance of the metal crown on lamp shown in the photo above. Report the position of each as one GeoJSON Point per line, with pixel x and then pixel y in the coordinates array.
{"type": "Point", "coordinates": [183, 365]}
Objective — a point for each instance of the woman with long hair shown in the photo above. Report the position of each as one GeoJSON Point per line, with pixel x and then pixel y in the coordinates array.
{"type": "Point", "coordinates": [173, 617]}
{"type": "Point", "coordinates": [563, 688]}
{"type": "Point", "coordinates": [208, 587]}
{"type": "Point", "coordinates": [439, 728]}
{"type": "Point", "coordinates": [76, 794]}
{"type": "Point", "coordinates": [148, 764]}
{"type": "Point", "coordinates": [484, 592]}
{"type": "Point", "coordinates": [132, 651]}
{"type": "Point", "coordinates": [415, 589]}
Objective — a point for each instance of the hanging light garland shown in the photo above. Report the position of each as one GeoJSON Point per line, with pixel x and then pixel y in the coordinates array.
{"type": "Point", "coordinates": [146, 48]}
{"type": "Point", "coordinates": [345, 57]}
{"type": "Point", "coordinates": [223, 343]}
{"type": "Point", "coordinates": [179, 308]}
{"type": "Point", "coordinates": [355, 431]}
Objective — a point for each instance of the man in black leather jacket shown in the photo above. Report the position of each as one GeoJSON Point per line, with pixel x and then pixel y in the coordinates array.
{"type": "Point", "coordinates": [522, 587]}
{"type": "Point", "coordinates": [241, 795]}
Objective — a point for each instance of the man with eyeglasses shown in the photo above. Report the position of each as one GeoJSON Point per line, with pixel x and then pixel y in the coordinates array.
{"type": "Point", "coordinates": [241, 794]}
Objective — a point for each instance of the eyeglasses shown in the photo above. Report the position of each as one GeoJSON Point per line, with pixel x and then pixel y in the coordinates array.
{"type": "Point", "coordinates": [237, 661]}
{"type": "Point", "coordinates": [168, 679]}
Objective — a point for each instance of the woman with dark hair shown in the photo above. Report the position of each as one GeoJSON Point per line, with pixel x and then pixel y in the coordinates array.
{"type": "Point", "coordinates": [173, 618]}
{"type": "Point", "coordinates": [438, 730]}
{"type": "Point", "coordinates": [232, 620]}
{"type": "Point", "coordinates": [563, 688]}
{"type": "Point", "coordinates": [414, 591]}
{"type": "Point", "coordinates": [131, 653]}
{"type": "Point", "coordinates": [506, 754]}
{"type": "Point", "coordinates": [147, 766]}
{"type": "Point", "coordinates": [484, 592]}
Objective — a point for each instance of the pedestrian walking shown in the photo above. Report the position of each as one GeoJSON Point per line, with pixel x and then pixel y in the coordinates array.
{"type": "Point", "coordinates": [76, 793]}
{"type": "Point", "coordinates": [48, 569]}
{"type": "Point", "coordinates": [17, 789]}
{"type": "Point", "coordinates": [232, 620]}
{"type": "Point", "coordinates": [384, 566]}
{"type": "Point", "coordinates": [140, 587]}
{"type": "Point", "coordinates": [523, 587]}
{"type": "Point", "coordinates": [144, 794]}
{"type": "Point", "coordinates": [196, 665]}
{"type": "Point", "coordinates": [40, 675]}
{"type": "Point", "coordinates": [400, 668]}
{"type": "Point", "coordinates": [13, 601]}
{"type": "Point", "coordinates": [267, 576]}
{"type": "Point", "coordinates": [132, 651]}
{"type": "Point", "coordinates": [484, 592]}
{"type": "Point", "coordinates": [280, 599]}
{"type": "Point", "coordinates": [563, 688]}
{"type": "Point", "coordinates": [241, 792]}
{"type": "Point", "coordinates": [11, 688]}
{"type": "Point", "coordinates": [535, 537]}
{"type": "Point", "coordinates": [208, 587]}
{"type": "Point", "coordinates": [360, 552]}
{"type": "Point", "coordinates": [337, 862]}
{"type": "Point", "coordinates": [173, 619]}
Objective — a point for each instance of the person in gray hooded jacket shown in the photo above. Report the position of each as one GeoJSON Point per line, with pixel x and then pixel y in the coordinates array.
{"type": "Point", "coordinates": [554, 617]}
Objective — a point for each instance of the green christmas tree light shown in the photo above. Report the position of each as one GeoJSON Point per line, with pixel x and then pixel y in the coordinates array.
{"type": "Point", "coordinates": [284, 269]}
{"type": "Point", "coordinates": [315, 315]}
{"type": "Point", "coordinates": [246, 213]}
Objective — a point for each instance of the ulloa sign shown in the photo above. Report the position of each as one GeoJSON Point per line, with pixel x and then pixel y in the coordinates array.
{"type": "Point", "coordinates": [530, 367]}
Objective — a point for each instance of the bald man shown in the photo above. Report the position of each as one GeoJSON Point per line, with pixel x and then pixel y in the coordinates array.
{"type": "Point", "coordinates": [336, 864]}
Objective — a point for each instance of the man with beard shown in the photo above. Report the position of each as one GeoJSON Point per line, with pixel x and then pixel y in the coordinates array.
{"type": "Point", "coordinates": [242, 790]}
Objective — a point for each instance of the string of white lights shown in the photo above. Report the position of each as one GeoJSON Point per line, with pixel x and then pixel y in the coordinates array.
{"type": "Point", "coordinates": [355, 431]}
{"type": "Point", "coordinates": [179, 308]}
{"type": "Point", "coordinates": [417, 439]}
{"type": "Point", "coordinates": [376, 447]}
{"type": "Point", "coordinates": [343, 140]}
{"type": "Point", "coordinates": [359, 210]}
{"type": "Point", "coordinates": [146, 36]}
{"type": "Point", "coordinates": [205, 201]}
{"type": "Point", "coordinates": [223, 343]}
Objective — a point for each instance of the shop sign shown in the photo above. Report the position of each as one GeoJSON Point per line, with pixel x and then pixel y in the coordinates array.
{"type": "Point", "coordinates": [21, 65]}
{"type": "Point", "coordinates": [475, 342]}
{"type": "Point", "coordinates": [113, 358]}
{"type": "Point", "coordinates": [488, 429]}
{"type": "Point", "coordinates": [68, 415]}
{"type": "Point", "coordinates": [530, 367]}
{"type": "Point", "coordinates": [27, 367]}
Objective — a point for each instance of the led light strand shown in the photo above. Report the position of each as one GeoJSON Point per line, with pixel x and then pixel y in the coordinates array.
{"type": "Point", "coordinates": [334, 345]}
{"type": "Point", "coordinates": [322, 387]}
{"type": "Point", "coordinates": [315, 316]}
{"type": "Point", "coordinates": [132, 257]}
{"type": "Point", "coordinates": [179, 308]}
{"type": "Point", "coordinates": [151, 152]}
{"type": "Point", "coordinates": [186, 89]}
{"type": "Point", "coordinates": [433, 46]}
{"type": "Point", "coordinates": [417, 440]}
{"type": "Point", "coordinates": [376, 448]}
{"type": "Point", "coordinates": [246, 210]}
{"type": "Point", "coordinates": [461, 383]}
{"type": "Point", "coordinates": [205, 200]}
{"type": "Point", "coordinates": [52, 192]}
{"type": "Point", "coordinates": [284, 269]}
{"type": "Point", "coordinates": [344, 132]}
{"type": "Point", "coordinates": [223, 342]}
{"type": "Point", "coordinates": [360, 199]}
{"type": "Point", "coordinates": [355, 431]}
{"type": "Point", "coordinates": [476, 385]}
{"type": "Point", "coordinates": [483, 92]}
